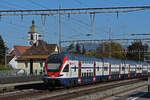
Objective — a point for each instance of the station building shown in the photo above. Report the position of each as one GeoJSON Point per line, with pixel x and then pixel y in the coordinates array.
{"type": "Point", "coordinates": [31, 59]}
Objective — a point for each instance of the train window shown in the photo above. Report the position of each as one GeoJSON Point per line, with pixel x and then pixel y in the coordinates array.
{"type": "Point", "coordinates": [66, 69]}
{"type": "Point", "coordinates": [105, 68]}
{"type": "Point", "coordinates": [98, 68]}
{"type": "Point", "coordinates": [91, 74]}
{"type": "Point", "coordinates": [84, 74]}
{"type": "Point", "coordinates": [75, 68]}
{"type": "Point", "coordinates": [87, 74]}
{"type": "Point", "coordinates": [55, 58]}
{"type": "Point", "coordinates": [123, 68]}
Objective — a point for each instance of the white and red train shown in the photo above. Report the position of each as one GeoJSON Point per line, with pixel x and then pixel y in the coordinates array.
{"type": "Point", "coordinates": [68, 70]}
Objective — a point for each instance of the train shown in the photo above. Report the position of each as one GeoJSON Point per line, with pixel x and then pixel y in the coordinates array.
{"type": "Point", "coordinates": [71, 70]}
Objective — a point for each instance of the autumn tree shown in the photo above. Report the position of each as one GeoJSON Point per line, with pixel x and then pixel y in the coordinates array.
{"type": "Point", "coordinates": [83, 50]}
{"type": "Point", "coordinates": [136, 51]}
{"type": "Point", "coordinates": [2, 51]}
{"type": "Point", "coordinates": [70, 48]}
{"type": "Point", "coordinates": [78, 49]}
{"type": "Point", "coordinates": [113, 47]}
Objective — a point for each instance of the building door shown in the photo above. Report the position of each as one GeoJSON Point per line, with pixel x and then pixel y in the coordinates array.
{"type": "Point", "coordinates": [31, 66]}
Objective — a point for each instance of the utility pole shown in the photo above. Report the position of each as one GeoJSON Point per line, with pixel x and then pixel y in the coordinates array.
{"type": "Point", "coordinates": [5, 56]}
{"type": "Point", "coordinates": [109, 33]}
{"type": "Point", "coordinates": [59, 31]}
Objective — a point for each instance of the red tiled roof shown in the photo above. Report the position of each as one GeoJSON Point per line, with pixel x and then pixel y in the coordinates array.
{"type": "Point", "coordinates": [39, 50]}
{"type": "Point", "coordinates": [42, 48]}
{"type": "Point", "coordinates": [20, 49]}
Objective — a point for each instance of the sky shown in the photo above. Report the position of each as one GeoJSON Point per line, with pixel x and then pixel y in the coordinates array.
{"type": "Point", "coordinates": [14, 30]}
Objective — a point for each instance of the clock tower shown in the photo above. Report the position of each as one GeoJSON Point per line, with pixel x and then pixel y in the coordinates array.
{"type": "Point", "coordinates": [33, 35]}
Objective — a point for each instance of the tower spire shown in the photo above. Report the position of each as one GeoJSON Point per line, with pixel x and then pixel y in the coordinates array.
{"type": "Point", "coordinates": [33, 34]}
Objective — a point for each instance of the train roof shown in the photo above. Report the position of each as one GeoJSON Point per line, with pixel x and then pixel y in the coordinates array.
{"type": "Point", "coordinates": [90, 58]}
{"type": "Point", "coordinates": [81, 57]}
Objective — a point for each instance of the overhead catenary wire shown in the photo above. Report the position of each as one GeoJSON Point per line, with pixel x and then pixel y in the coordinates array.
{"type": "Point", "coordinates": [13, 4]}
{"type": "Point", "coordinates": [80, 2]}
{"type": "Point", "coordinates": [37, 4]}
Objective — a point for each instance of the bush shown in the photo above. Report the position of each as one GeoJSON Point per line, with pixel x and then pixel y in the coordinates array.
{"type": "Point", "coordinates": [2, 67]}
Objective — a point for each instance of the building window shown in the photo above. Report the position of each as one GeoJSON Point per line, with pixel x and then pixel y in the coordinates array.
{"type": "Point", "coordinates": [31, 36]}
{"type": "Point", "coordinates": [26, 64]}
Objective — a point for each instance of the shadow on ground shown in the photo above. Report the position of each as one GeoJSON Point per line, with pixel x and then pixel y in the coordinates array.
{"type": "Point", "coordinates": [141, 95]}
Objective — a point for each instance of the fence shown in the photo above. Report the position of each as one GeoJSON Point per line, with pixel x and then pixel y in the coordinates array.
{"type": "Point", "coordinates": [17, 72]}
{"type": "Point", "coordinates": [15, 76]}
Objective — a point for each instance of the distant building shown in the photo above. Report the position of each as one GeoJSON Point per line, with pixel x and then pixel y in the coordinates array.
{"type": "Point", "coordinates": [33, 59]}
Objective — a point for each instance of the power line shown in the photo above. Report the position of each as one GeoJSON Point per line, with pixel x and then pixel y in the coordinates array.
{"type": "Point", "coordinates": [37, 4]}
{"type": "Point", "coordinates": [12, 4]}
{"type": "Point", "coordinates": [81, 3]}
{"type": "Point", "coordinates": [23, 26]}
{"type": "Point", "coordinates": [71, 41]}
{"type": "Point", "coordinates": [141, 34]}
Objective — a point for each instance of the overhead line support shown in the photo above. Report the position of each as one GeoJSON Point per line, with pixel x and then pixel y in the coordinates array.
{"type": "Point", "coordinates": [73, 11]}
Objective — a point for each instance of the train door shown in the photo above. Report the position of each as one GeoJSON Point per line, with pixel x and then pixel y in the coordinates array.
{"type": "Point", "coordinates": [70, 69]}
{"type": "Point", "coordinates": [120, 70]}
{"type": "Point", "coordinates": [99, 71]}
{"type": "Point", "coordinates": [94, 72]}
{"type": "Point", "coordinates": [66, 70]}
{"type": "Point", "coordinates": [102, 68]}
{"type": "Point", "coordinates": [124, 69]}
{"type": "Point", "coordinates": [79, 73]}
{"type": "Point", "coordinates": [135, 70]}
{"type": "Point", "coordinates": [129, 71]}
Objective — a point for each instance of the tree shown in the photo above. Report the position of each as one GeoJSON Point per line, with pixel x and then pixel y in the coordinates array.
{"type": "Point", "coordinates": [83, 50]}
{"type": "Point", "coordinates": [92, 53]}
{"type": "Point", "coordinates": [116, 50]}
{"type": "Point", "coordinates": [78, 49]}
{"type": "Point", "coordinates": [2, 51]}
{"type": "Point", "coordinates": [70, 48]}
{"type": "Point", "coordinates": [136, 51]}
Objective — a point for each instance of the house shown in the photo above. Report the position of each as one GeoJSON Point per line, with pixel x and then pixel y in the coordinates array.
{"type": "Point", "coordinates": [16, 52]}
{"type": "Point", "coordinates": [33, 59]}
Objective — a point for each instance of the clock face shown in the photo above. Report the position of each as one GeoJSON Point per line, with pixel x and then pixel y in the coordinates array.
{"type": "Point", "coordinates": [31, 42]}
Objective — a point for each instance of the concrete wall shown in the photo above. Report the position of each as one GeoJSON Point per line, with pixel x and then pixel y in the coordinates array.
{"type": "Point", "coordinates": [37, 66]}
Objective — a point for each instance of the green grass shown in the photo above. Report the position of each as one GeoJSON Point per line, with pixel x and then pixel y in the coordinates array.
{"type": "Point", "coordinates": [2, 67]}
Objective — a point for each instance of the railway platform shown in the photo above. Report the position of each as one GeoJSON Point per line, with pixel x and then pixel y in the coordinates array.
{"type": "Point", "coordinates": [13, 86]}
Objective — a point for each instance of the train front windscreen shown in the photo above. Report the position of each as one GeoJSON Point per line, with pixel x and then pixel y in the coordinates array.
{"type": "Point", "coordinates": [54, 63]}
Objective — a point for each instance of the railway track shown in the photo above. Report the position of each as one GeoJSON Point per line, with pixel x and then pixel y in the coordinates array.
{"type": "Point", "coordinates": [62, 93]}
